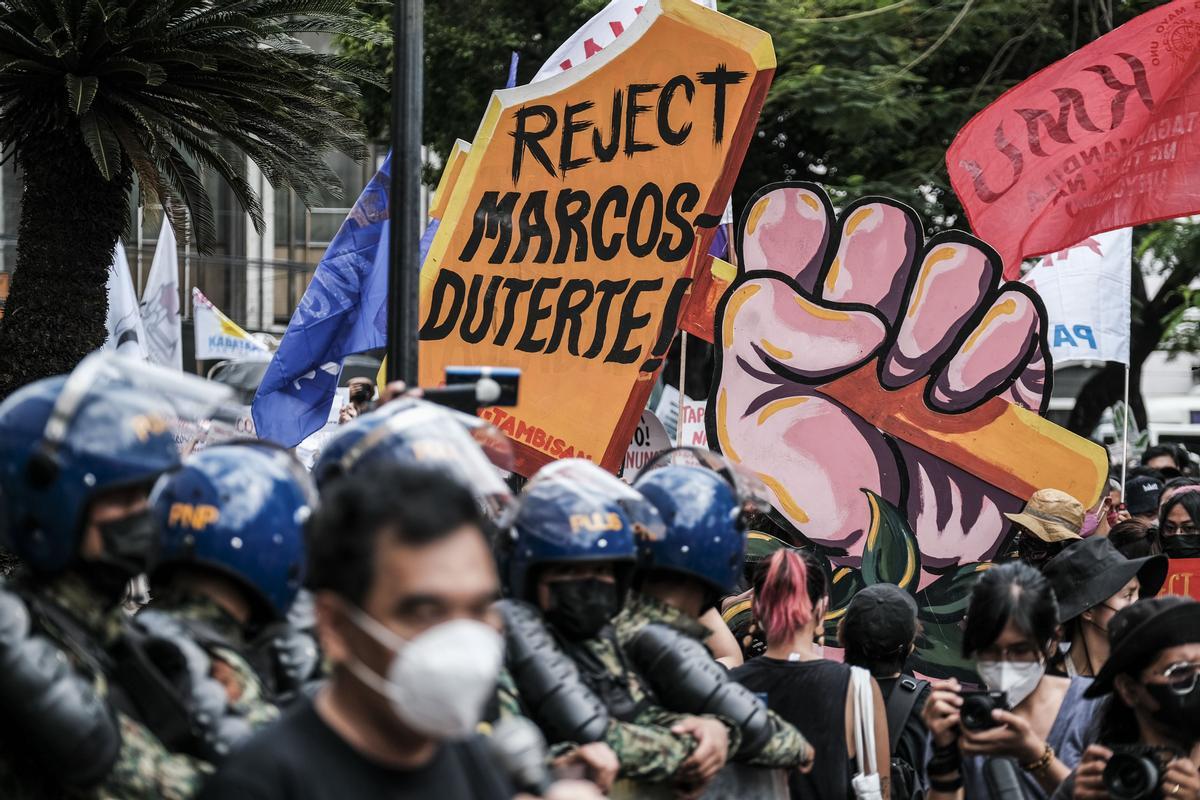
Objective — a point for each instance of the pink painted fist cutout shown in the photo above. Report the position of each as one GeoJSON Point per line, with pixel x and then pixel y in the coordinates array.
{"type": "Point", "coordinates": [835, 321]}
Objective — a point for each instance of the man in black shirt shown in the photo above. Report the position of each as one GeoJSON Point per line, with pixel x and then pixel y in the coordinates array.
{"type": "Point", "coordinates": [403, 583]}
{"type": "Point", "coordinates": [878, 633]}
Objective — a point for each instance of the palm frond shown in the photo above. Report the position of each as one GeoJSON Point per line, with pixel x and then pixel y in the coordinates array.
{"type": "Point", "coordinates": [166, 90]}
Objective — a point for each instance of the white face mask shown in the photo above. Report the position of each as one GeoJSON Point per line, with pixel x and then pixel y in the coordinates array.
{"type": "Point", "coordinates": [1016, 679]}
{"type": "Point", "coordinates": [440, 681]}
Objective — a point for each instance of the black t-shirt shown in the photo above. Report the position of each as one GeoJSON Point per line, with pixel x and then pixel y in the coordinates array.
{"type": "Point", "coordinates": [302, 758]}
{"type": "Point", "coordinates": [812, 696]}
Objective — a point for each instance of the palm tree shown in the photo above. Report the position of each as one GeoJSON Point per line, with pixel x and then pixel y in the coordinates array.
{"type": "Point", "coordinates": [95, 94]}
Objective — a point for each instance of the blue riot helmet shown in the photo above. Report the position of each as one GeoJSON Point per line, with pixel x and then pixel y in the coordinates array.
{"type": "Point", "coordinates": [705, 502]}
{"type": "Point", "coordinates": [237, 510]}
{"type": "Point", "coordinates": [573, 512]}
{"type": "Point", "coordinates": [412, 431]}
{"type": "Point", "coordinates": [109, 426]}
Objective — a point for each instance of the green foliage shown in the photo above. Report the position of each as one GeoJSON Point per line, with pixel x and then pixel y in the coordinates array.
{"type": "Point", "coordinates": [165, 90]}
{"type": "Point", "coordinates": [468, 44]}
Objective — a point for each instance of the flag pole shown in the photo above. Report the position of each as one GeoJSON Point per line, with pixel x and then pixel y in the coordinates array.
{"type": "Point", "coordinates": [1125, 435]}
{"type": "Point", "coordinates": [682, 373]}
{"type": "Point", "coordinates": [404, 228]}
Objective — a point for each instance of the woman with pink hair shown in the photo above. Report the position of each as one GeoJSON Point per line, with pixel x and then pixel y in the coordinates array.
{"type": "Point", "coordinates": [790, 600]}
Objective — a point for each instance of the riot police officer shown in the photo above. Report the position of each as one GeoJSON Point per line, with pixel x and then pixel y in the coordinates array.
{"type": "Point", "coordinates": [703, 501]}
{"type": "Point", "coordinates": [230, 564]}
{"type": "Point", "coordinates": [78, 455]}
{"type": "Point", "coordinates": [572, 557]}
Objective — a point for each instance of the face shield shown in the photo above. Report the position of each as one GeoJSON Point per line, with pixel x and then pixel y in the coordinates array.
{"type": "Point", "coordinates": [113, 408]}
{"type": "Point", "coordinates": [751, 493]}
{"type": "Point", "coordinates": [422, 433]}
{"type": "Point", "coordinates": [582, 477]}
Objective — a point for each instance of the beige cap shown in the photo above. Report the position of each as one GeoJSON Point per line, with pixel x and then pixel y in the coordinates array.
{"type": "Point", "coordinates": [1051, 515]}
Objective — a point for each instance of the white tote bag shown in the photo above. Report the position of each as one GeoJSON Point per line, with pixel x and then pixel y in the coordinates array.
{"type": "Point", "coordinates": [866, 779]}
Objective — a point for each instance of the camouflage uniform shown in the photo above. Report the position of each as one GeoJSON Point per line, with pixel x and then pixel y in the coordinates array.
{"type": "Point", "coordinates": [144, 767]}
{"type": "Point", "coordinates": [247, 695]}
{"type": "Point", "coordinates": [647, 749]}
{"type": "Point", "coordinates": [787, 748]}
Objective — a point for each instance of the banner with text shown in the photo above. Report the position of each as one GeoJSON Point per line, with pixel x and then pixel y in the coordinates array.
{"type": "Point", "coordinates": [1106, 138]}
{"type": "Point", "coordinates": [1086, 292]}
{"type": "Point", "coordinates": [582, 216]}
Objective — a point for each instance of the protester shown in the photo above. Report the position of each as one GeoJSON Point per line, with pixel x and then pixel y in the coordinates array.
{"type": "Point", "coordinates": [78, 456]}
{"type": "Point", "coordinates": [1050, 522]}
{"type": "Point", "coordinates": [1177, 524]}
{"type": "Point", "coordinates": [1166, 459]}
{"type": "Point", "coordinates": [877, 633]}
{"type": "Point", "coordinates": [572, 558]}
{"type": "Point", "coordinates": [679, 577]}
{"type": "Point", "coordinates": [362, 399]}
{"type": "Point", "coordinates": [806, 690]}
{"type": "Point", "coordinates": [1135, 539]}
{"type": "Point", "coordinates": [229, 566]}
{"type": "Point", "coordinates": [1141, 498]}
{"type": "Point", "coordinates": [1151, 710]}
{"type": "Point", "coordinates": [1092, 581]}
{"type": "Point", "coordinates": [1029, 740]}
{"type": "Point", "coordinates": [1107, 511]}
{"type": "Point", "coordinates": [737, 610]}
{"type": "Point", "coordinates": [1173, 487]}
{"type": "Point", "coordinates": [403, 582]}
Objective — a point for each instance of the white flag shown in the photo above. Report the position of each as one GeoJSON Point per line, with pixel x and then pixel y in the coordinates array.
{"type": "Point", "coordinates": [125, 332]}
{"type": "Point", "coordinates": [1086, 292]}
{"type": "Point", "coordinates": [160, 303]}
{"type": "Point", "coordinates": [597, 33]}
{"type": "Point", "coordinates": [219, 337]}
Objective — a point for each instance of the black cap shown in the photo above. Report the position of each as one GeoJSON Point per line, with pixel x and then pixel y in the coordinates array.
{"type": "Point", "coordinates": [1091, 571]}
{"type": "Point", "coordinates": [1142, 493]}
{"type": "Point", "coordinates": [1139, 632]}
{"type": "Point", "coordinates": [881, 619]}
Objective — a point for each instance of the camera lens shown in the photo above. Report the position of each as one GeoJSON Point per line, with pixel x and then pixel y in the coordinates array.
{"type": "Point", "coordinates": [1130, 777]}
{"type": "Point", "coordinates": [976, 713]}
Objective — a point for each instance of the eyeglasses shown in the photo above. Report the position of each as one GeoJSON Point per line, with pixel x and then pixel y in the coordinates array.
{"type": "Point", "coordinates": [1171, 529]}
{"type": "Point", "coordinates": [1023, 652]}
{"type": "Point", "coordinates": [1181, 677]}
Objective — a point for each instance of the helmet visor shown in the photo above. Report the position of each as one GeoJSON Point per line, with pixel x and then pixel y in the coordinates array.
{"type": "Point", "coordinates": [110, 398]}
{"type": "Point", "coordinates": [432, 436]}
{"type": "Point", "coordinates": [751, 492]}
{"type": "Point", "coordinates": [582, 477]}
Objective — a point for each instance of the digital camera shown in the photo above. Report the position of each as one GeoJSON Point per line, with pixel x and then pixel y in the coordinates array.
{"type": "Point", "coordinates": [977, 708]}
{"type": "Point", "coordinates": [1135, 772]}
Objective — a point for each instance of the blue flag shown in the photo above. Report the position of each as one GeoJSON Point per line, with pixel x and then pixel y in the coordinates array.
{"type": "Point", "coordinates": [343, 311]}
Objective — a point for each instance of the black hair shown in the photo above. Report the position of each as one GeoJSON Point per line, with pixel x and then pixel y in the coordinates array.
{"type": "Point", "coordinates": [1014, 592]}
{"type": "Point", "coordinates": [1145, 472]}
{"type": "Point", "coordinates": [1163, 450]}
{"type": "Point", "coordinates": [413, 506]}
{"type": "Point", "coordinates": [1190, 500]}
{"type": "Point", "coordinates": [1134, 538]}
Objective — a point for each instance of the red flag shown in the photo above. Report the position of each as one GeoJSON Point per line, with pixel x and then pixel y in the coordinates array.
{"type": "Point", "coordinates": [1106, 138]}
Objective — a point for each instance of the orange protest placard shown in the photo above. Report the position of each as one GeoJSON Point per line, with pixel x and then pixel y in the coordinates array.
{"type": "Point", "coordinates": [579, 219]}
{"type": "Point", "coordinates": [1183, 578]}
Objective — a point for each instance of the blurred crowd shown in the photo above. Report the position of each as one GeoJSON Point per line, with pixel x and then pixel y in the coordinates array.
{"type": "Point", "coordinates": [411, 620]}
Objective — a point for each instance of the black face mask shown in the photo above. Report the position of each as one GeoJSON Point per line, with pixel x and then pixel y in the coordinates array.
{"type": "Point", "coordinates": [129, 543]}
{"type": "Point", "coordinates": [580, 608]}
{"type": "Point", "coordinates": [1182, 545]}
{"type": "Point", "coordinates": [1177, 712]}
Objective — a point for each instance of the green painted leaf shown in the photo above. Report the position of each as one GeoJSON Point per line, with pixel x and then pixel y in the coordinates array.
{"type": "Point", "coordinates": [939, 655]}
{"type": "Point", "coordinates": [890, 554]}
{"type": "Point", "coordinates": [945, 600]}
{"type": "Point", "coordinates": [845, 583]}
{"type": "Point", "coordinates": [81, 92]}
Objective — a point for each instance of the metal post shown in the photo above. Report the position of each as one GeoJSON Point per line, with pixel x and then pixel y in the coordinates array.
{"type": "Point", "coordinates": [404, 229]}
{"type": "Point", "coordinates": [682, 374]}
{"type": "Point", "coordinates": [1125, 436]}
